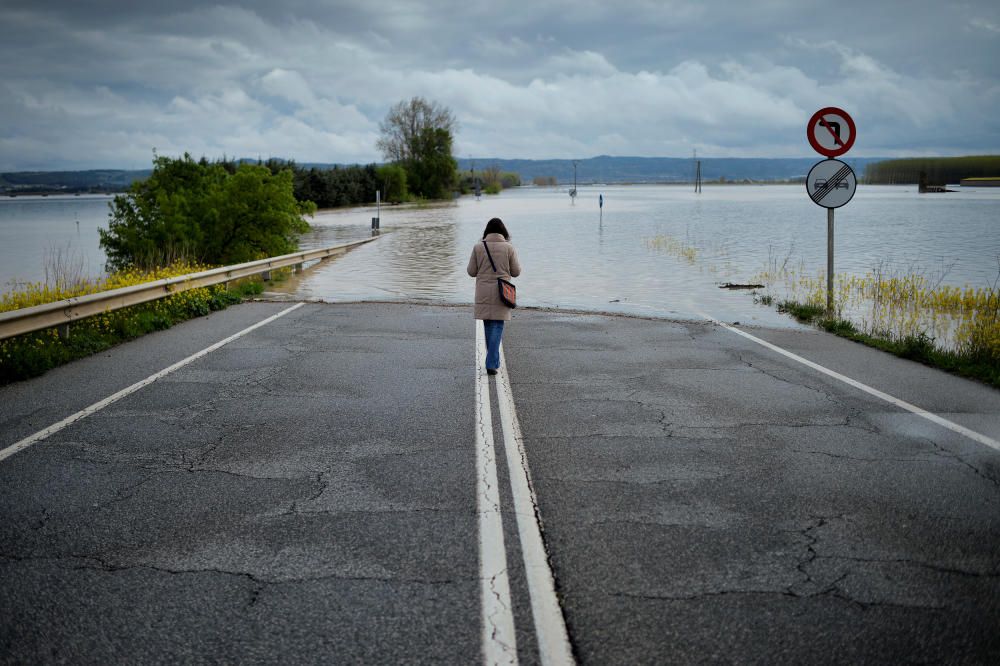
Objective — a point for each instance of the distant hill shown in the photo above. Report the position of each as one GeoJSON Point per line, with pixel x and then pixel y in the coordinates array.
{"type": "Point", "coordinates": [606, 169]}
{"type": "Point", "coordinates": [601, 169]}
{"type": "Point", "coordinates": [69, 182]}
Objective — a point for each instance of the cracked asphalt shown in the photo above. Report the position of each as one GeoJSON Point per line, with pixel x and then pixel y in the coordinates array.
{"type": "Point", "coordinates": [706, 500]}
{"type": "Point", "coordinates": [307, 494]}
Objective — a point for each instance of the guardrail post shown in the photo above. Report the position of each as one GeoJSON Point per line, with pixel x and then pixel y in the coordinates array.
{"type": "Point", "coordinates": [63, 331]}
{"type": "Point", "coordinates": [266, 276]}
{"type": "Point", "coordinates": [298, 268]}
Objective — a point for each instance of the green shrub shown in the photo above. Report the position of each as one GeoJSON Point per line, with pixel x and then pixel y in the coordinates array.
{"type": "Point", "coordinates": [917, 347]}
{"type": "Point", "coordinates": [838, 326]}
{"type": "Point", "coordinates": [201, 212]}
{"type": "Point", "coordinates": [804, 312]}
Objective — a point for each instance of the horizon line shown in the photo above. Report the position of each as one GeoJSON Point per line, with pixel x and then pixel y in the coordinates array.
{"type": "Point", "coordinates": [511, 159]}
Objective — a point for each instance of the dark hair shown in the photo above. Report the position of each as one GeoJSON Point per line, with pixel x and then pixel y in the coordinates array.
{"type": "Point", "coordinates": [495, 226]}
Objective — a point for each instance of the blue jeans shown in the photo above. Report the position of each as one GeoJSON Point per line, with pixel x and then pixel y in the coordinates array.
{"type": "Point", "coordinates": [494, 331]}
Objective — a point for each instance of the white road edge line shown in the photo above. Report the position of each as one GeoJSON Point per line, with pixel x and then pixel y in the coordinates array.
{"type": "Point", "coordinates": [97, 406]}
{"type": "Point", "coordinates": [934, 418]}
{"type": "Point", "coordinates": [499, 642]}
{"type": "Point", "coordinates": [550, 626]}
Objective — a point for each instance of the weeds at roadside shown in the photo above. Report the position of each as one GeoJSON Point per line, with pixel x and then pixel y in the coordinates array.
{"type": "Point", "coordinates": [62, 285]}
{"type": "Point", "coordinates": [33, 354]}
{"type": "Point", "coordinates": [911, 315]}
{"type": "Point", "coordinates": [976, 362]}
{"type": "Point", "coordinates": [804, 312]}
{"type": "Point", "coordinates": [840, 327]}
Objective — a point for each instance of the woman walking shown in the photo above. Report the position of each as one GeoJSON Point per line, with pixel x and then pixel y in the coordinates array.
{"type": "Point", "coordinates": [494, 246]}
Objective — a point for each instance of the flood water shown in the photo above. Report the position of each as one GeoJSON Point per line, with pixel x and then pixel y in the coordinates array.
{"type": "Point", "coordinates": [32, 228]}
{"type": "Point", "coordinates": [653, 250]}
{"type": "Point", "coordinates": [656, 250]}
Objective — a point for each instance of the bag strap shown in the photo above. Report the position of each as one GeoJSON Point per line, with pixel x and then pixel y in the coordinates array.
{"type": "Point", "coordinates": [490, 256]}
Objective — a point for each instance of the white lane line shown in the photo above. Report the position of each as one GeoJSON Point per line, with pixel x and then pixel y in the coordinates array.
{"type": "Point", "coordinates": [550, 626]}
{"type": "Point", "coordinates": [934, 418]}
{"type": "Point", "coordinates": [498, 638]}
{"type": "Point", "coordinates": [97, 406]}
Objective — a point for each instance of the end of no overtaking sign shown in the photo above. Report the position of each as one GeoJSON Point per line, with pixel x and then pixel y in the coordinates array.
{"type": "Point", "coordinates": [831, 183]}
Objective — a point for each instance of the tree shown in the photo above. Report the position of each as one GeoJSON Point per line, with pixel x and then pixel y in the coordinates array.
{"type": "Point", "coordinates": [203, 212]}
{"type": "Point", "coordinates": [256, 216]}
{"type": "Point", "coordinates": [404, 124]}
{"type": "Point", "coordinates": [491, 178]}
{"type": "Point", "coordinates": [417, 135]}
{"type": "Point", "coordinates": [510, 179]}
{"type": "Point", "coordinates": [433, 173]}
{"type": "Point", "coordinates": [392, 182]}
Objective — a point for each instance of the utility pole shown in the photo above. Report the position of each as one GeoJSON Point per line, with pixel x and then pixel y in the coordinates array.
{"type": "Point", "coordinates": [475, 183]}
{"type": "Point", "coordinates": [572, 193]}
{"type": "Point", "coordinates": [697, 173]}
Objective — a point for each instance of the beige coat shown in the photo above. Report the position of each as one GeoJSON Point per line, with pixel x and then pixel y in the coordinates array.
{"type": "Point", "coordinates": [488, 303]}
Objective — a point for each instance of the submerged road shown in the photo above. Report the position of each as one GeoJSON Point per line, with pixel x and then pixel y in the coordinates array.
{"type": "Point", "coordinates": [343, 484]}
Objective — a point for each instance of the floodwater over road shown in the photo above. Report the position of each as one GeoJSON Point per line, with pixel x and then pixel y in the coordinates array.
{"type": "Point", "coordinates": [656, 250]}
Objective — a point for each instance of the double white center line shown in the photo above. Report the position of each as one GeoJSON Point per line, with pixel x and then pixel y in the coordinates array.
{"type": "Point", "coordinates": [499, 643]}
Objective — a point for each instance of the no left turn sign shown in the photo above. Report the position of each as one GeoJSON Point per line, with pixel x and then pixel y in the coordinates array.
{"type": "Point", "coordinates": [831, 183]}
{"type": "Point", "coordinates": [831, 131]}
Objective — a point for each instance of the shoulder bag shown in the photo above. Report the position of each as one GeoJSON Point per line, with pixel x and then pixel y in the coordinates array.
{"type": "Point", "coordinates": [508, 292]}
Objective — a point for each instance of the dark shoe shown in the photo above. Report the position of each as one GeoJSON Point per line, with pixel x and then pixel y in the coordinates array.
{"type": "Point", "coordinates": [491, 371]}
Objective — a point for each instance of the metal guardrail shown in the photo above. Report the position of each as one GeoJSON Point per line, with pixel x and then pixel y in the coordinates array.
{"type": "Point", "coordinates": [61, 313]}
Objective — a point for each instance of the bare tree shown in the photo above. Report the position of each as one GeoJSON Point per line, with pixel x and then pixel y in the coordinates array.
{"type": "Point", "coordinates": [404, 124]}
{"type": "Point", "coordinates": [491, 175]}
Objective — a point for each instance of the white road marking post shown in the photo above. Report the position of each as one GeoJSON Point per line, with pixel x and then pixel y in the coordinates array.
{"type": "Point", "coordinates": [499, 642]}
{"type": "Point", "coordinates": [98, 406]}
{"type": "Point", "coordinates": [902, 404]}
{"type": "Point", "coordinates": [550, 626]}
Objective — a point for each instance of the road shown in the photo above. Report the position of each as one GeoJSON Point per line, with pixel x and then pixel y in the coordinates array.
{"type": "Point", "coordinates": [341, 484]}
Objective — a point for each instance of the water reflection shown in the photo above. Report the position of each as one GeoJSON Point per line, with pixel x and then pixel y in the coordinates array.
{"type": "Point", "coordinates": [425, 257]}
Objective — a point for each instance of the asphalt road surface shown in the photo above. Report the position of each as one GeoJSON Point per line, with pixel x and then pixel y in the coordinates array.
{"type": "Point", "coordinates": [343, 484]}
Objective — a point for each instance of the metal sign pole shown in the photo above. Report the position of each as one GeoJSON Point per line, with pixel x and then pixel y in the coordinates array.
{"type": "Point", "coordinates": [829, 261]}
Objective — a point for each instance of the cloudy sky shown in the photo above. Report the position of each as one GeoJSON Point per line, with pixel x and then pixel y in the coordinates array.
{"type": "Point", "coordinates": [101, 83]}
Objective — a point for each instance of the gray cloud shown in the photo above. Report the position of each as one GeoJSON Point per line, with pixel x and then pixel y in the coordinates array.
{"type": "Point", "coordinates": [100, 84]}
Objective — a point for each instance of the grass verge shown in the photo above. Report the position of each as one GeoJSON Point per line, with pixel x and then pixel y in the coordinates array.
{"type": "Point", "coordinates": [974, 361]}
{"type": "Point", "coordinates": [33, 354]}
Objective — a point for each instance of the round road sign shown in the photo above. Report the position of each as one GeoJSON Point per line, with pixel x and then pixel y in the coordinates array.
{"type": "Point", "coordinates": [831, 131]}
{"type": "Point", "coordinates": [831, 183]}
